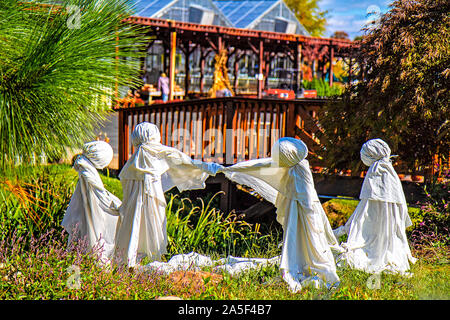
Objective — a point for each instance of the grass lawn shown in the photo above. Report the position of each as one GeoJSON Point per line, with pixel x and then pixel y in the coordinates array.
{"type": "Point", "coordinates": [45, 273]}
{"type": "Point", "coordinates": [43, 269]}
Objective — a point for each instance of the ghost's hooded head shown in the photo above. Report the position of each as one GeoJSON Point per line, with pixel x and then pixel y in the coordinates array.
{"type": "Point", "coordinates": [287, 152]}
{"type": "Point", "coordinates": [99, 153]}
{"type": "Point", "coordinates": [381, 182]}
{"type": "Point", "coordinates": [145, 133]}
{"type": "Point", "coordinates": [374, 150]}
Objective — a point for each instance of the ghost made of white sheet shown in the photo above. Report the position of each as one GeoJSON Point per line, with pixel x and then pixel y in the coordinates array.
{"type": "Point", "coordinates": [377, 239]}
{"type": "Point", "coordinates": [93, 211]}
{"type": "Point", "coordinates": [286, 180]}
{"type": "Point", "coordinates": [152, 169]}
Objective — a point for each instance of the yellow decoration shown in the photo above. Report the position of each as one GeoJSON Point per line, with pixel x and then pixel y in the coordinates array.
{"type": "Point", "coordinates": [220, 77]}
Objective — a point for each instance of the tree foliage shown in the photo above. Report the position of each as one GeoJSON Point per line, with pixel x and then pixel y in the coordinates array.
{"type": "Point", "coordinates": [59, 67]}
{"type": "Point", "coordinates": [340, 35]}
{"type": "Point", "coordinates": [309, 15]}
{"type": "Point", "coordinates": [404, 63]}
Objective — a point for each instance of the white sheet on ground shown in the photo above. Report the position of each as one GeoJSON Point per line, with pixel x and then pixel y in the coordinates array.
{"type": "Point", "coordinates": [377, 239]}
{"type": "Point", "coordinates": [286, 181]}
{"type": "Point", "coordinates": [195, 261]}
{"type": "Point", "coordinates": [152, 169]}
{"type": "Point", "coordinates": [93, 211]}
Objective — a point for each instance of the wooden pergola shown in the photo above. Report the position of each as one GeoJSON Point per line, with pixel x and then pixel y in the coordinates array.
{"type": "Point", "coordinates": [228, 130]}
{"type": "Point", "coordinates": [264, 44]}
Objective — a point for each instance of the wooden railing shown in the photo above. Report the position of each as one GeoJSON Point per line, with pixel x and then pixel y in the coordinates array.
{"type": "Point", "coordinates": [224, 130]}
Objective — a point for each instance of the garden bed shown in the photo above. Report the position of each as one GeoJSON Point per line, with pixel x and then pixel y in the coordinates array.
{"type": "Point", "coordinates": [34, 262]}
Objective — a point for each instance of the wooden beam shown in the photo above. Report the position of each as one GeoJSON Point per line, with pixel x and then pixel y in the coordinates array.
{"type": "Point", "coordinates": [212, 44]}
{"type": "Point", "coordinates": [236, 32]}
{"type": "Point", "coordinates": [254, 49]}
{"type": "Point", "coordinates": [123, 138]}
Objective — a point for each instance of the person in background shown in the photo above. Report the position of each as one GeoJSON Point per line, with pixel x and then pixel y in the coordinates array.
{"type": "Point", "coordinates": [163, 86]}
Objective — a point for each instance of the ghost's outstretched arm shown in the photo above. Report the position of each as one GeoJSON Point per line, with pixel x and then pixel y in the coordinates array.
{"type": "Point", "coordinates": [210, 168]}
{"type": "Point", "coordinates": [184, 172]}
{"type": "Point", "coordinates": [108, 202]}
{"type": "Point", "coordinates": [262, 175]}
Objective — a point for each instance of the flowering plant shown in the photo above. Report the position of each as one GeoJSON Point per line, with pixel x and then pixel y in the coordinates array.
{"type": "Point", "coordinates": [433, 229]}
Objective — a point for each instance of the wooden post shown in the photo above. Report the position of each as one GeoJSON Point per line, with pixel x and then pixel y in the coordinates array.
{"type": "Point", "coordinates": [302, 62]}
{"type": "Point", "coordinates": [219, 44]}
{"type": "Point", "coordinates": [203, 55]}
{"type": "Point", "coordinates": [350, 66]}
{"type": "Point", "coordinates": [299, 74]}
{"type": "Point", "coordinates": [123, 138]}
{"type": "Point", "coordinates": [202, 69]}
{"type": "Point", "coordinates": [164, 57]}
{"type": "Point", "coordinates": [261, 68]}
{"type": "Point", "coordinates": [202, 75]}
{"type": "Point", "coordinates": [290, 120]}
{"type": "Point", "coordinates": [236, 71]}
{"type": "Point", "coordinates": [320, 69]}
{"type": "Point", "coordinates": [267, 70]}
{"type": "Point", "coordinates": [172, 54]}
{"type": "Point", "coordinates": [313, 68]}
{"type": "Point", "coordinates": [187, 54]}
{"type": "Point", "coordinates": [230, 113]}
{"type": "Point", "coordinates": [331, 65]}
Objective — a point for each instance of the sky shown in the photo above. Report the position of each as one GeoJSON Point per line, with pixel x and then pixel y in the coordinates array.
{"type": "Point", "coordinates": [351, 15]}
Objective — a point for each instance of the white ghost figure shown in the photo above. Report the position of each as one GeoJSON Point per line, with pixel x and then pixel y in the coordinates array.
{"type": "Point", "coordinates": [152, 169]}
{"type": "Point", "coordinates": [286, 180]}
{"type": "Point", "coordinates": [377, 239]}
{"type": "Point", "coordinates": [93, 211]}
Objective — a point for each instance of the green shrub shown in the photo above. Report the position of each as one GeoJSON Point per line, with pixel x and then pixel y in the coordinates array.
{"type": "Point", "coordinates": [339, 210]}
{"type": "Point", "coordinates": [207, 230]}
{"type": "Point", "coordinates": [322, 87]}
{"type": "Point", "coordinates": [432, 221]}
{"type": "Point", "coordinates": [34, 199]}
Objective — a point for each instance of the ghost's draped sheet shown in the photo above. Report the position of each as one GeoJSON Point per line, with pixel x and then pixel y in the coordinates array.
{"type": "Point", "coordinates": [93, 211]}
{"type": "Point", "coordinates": [153, 169]}
{"type": "Point", "coordinates": [154, 161]}
{"type": "Point", "coordinates": [381, 181]}
{"type": "Point", "coordinates": [377, 239]}
{"type": "Point", "coordinates": [308, 238]}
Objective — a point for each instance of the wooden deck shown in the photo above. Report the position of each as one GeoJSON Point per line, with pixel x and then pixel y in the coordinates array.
{"type": "Point", "coordinates": [225, 130]}
{"type": "Point", "coordinates": [234, 129]}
